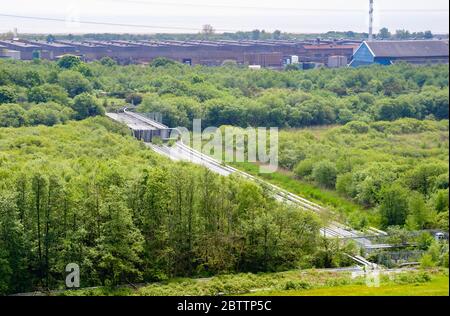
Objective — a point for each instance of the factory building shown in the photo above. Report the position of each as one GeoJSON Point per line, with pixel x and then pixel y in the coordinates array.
{"type": "Point", "coordinates": [209, 53]}
{"type": "Point", "coordinates": [320, 53]}
{"type": "Point", "coordinates": [6, 53]}
{"type": "Point", "coordinates": [54, 49]}
{"type": "Point", "coordinates": [268, 54]}
{"type": "Point", "coordinates": [27, 51]}
{"type": "Point", "coordinates": [337, 61]}
{"type": "Point", "coordinates": [391, 52]}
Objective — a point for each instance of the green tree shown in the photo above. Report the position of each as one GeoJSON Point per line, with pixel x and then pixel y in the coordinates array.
{"type": "Point", "coordinates": [69, 62]}
{"type": "Point", "coordinates": [304, 168]}
{"type": "Point", "coordinates": [423, 177]}
{"type": "Point", "coordinates": [12, 247]}
{"type": "Point", "coordinates": [134, 98]}
{"type": "Point", "coordinates": [256, 34]}
{"type": "Point", "coordinates": [394, 205]}
{"type": "Point", "coordinates": [325, 174]}
{"type": "Point", "coordinates": [42, 116]}
{"type": "Point", "coordinates": [74, 82]}
{"type": "Point", "coordinates": [7, 95]}
{"type": "Point", "coordinates": [384, 33]}
{"type": "Point", "coordinates": [419, 214]}
{"type": "Point", "coordinates": [345, 116]}
{"type": "Point", "coordinates": [344, 184]}
{"type": "Point", "coordinates": [161, 62]}
{"type": "Point", "coordinates": [5, 272]}
{"type": "Point", "coordinates": [120, 243]}
{"type": "Point", "coordinates": [428, 35]}
{"type": "Point", "coordinates": [39, 95]}
{"type": "Point", "coordinates": [52, 92]}
{"type": "Point", "coordinates": [11, 115]}
{"type": "Point", "coordinates": [85, 105]}
{"type": "Point", "coordinates": [108, 62]}
{"type": "Point", "coordinates": [39, 197]}
{"type": "Point", "coordinates": [402, 34]}
{"type": "Point", "coordinates": [276, 35]}
{"type": "Point", "coordinates": [441, 200]}
{"type": "Point", "coordinates": [427, 262]}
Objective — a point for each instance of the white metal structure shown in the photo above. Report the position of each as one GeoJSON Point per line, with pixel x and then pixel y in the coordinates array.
{"type": "Point", "coordinates": [371, 21]}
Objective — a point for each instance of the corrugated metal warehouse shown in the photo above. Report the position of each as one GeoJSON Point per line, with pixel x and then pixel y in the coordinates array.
{"type": "Point", "coordinates": [196, 52]}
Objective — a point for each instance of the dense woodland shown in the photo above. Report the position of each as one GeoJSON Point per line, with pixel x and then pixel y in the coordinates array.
{"type": "Point", "coordinates": [397, 171]}
{"type": "Point", "coordinates": [77, 188]}
{"type": "Point", "coordinates": [226, 95]}
{"type": "Point", "coordinates": [85, 193]}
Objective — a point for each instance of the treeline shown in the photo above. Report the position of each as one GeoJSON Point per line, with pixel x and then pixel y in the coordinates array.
{"type": "Point", "coordinates": [227, 95]}
{"type": "Point", "coordinates": [397, 169]}
{"type": "Point", "coordinates": [403, 34]}
{"type": "Point", "coordinates": [208, 32]}
{"type": "Point", "coordinates": [79, 193]}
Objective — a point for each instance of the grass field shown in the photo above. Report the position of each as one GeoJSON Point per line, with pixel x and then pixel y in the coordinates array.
{"type": "Point", "coordinates": [438, 286]}
{"type": "Point", "coordinates": [290, 283]}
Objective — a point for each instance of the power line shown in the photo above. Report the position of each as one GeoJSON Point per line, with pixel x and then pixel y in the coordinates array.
{"type": "Point", "coordinates": [225, 6]}
{"type": "Point", "coordinates": [426, 10]}
{"type": "Point", "coordinates": [415, 11]}
{"type": "Point", "coordinates": [180, 28]}
{"type": "Point", "coordinates": [108, 23]}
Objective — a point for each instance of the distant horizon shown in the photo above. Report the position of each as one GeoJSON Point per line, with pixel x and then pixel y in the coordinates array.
{"type": "Point", "coordinates": [195, 33]}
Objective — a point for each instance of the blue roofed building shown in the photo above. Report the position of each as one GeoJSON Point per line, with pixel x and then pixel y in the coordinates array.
{"type": "Point", "coordinates": [391, 52]}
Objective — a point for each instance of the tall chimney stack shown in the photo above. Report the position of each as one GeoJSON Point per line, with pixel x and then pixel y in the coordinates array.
{"type": "Point", "coordinates": [371, 21]}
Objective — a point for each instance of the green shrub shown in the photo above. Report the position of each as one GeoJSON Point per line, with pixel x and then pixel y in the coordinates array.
{"type": "Point", "coordinates": [7, 95]}
{"type": "Point", "coordinates": [325, 173]}
{"type": "Point", "coordinates": [296, 285]}
{"type": "Point", "coordinates": [304, 168]}
{"type": "Point", "coordinates": [69, 62]}
{"type": "Point", "coordinates": [358, 127]}
{"type": "Point", "coordinates": [427, 261]}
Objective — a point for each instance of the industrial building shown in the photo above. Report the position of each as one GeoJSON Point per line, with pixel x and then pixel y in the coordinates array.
{"type": "Point", "coordinates": [54, 49]}
{"type": "Point", "coordinates": [269, 53]}
{"type": "Point", "coordinates": [6, 53]}
{"type": "Point", "coordinates": [337, 61]}
{"type": "Point", "coordinates": [391, 52]}
{"type": "Point", "coordinates": [27, 51]}
{"type": "Point", "coordinates": [321, 53]}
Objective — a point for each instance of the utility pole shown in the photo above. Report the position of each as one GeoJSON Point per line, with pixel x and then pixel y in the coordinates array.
{"type": "Point", "coordinates": [371, 21]}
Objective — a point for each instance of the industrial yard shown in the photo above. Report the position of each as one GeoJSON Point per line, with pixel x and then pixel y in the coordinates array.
{"type": "Point", "coordinates": [274, 54]}
{"type": "Point", "coordinates": [269, 54]}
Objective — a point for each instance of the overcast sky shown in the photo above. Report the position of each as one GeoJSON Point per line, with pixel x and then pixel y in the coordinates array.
{"type": "Point", "coordinates": [225, 15]}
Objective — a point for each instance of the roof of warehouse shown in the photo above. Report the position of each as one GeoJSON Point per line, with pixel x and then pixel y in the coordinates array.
{"type": "Point", "coordinates": [18, 44]}
{"type": "Point", "coordinates": [327, 46]}
{"type": "Point", "coordinates": [50, 44]}
{"type": "Point", "coordinates": [113, 43]}
{"type": "Point", "coordinates": [82, 44]}
{"type": "Point", "coordinates": [408, 48]}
